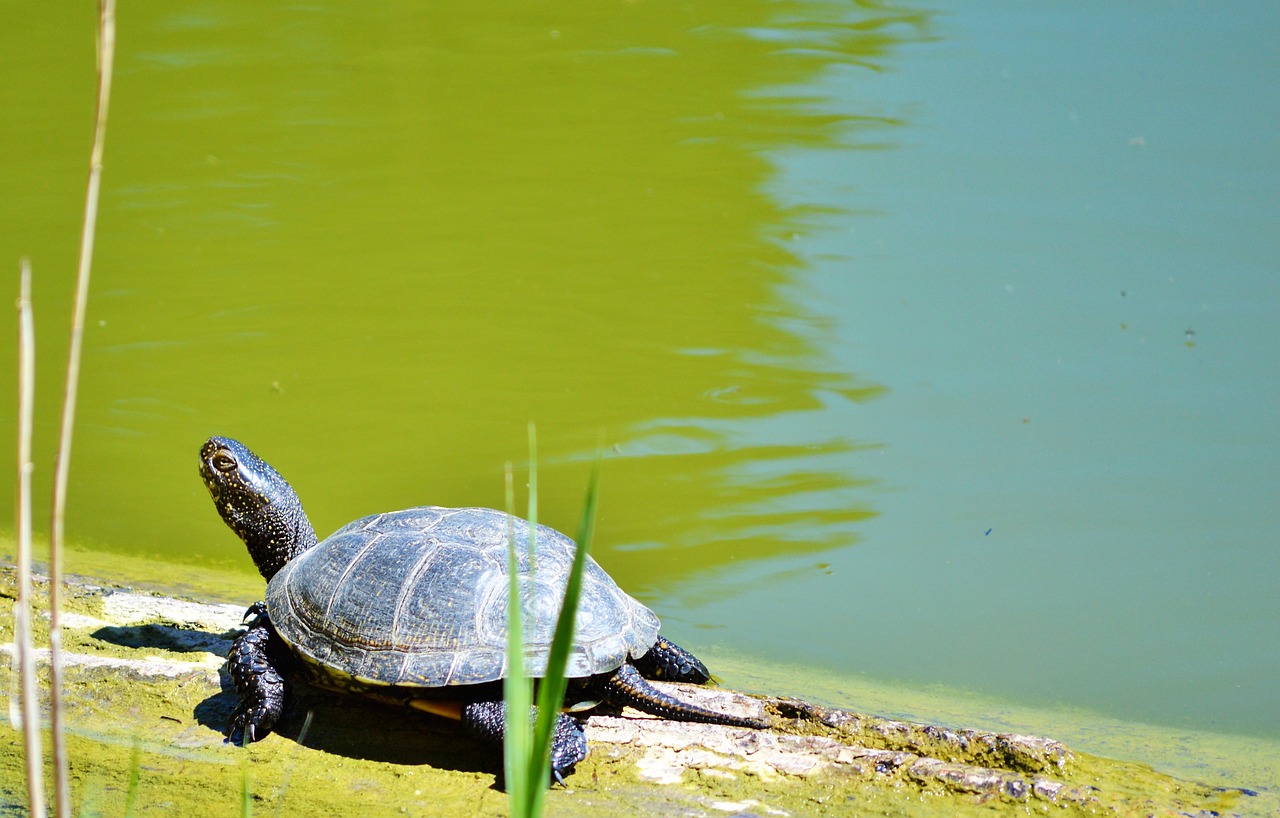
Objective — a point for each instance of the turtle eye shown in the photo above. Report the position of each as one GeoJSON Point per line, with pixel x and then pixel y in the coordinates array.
{"type": "Point", "coordinates": [224, 462]}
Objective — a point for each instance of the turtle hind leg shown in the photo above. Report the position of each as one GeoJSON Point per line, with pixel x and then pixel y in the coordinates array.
{"type": "Point", "coordinates": [254, 666]}
{"type": "Point", "coordinates": [488, 722]}
{"type": "Point", "coordinates": [668, 661]}
{"type": "Point", "coordinates": [625, 686]}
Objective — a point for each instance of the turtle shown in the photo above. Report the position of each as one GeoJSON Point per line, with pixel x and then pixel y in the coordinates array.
{"type": "Point", "coordinates": [409, 607]}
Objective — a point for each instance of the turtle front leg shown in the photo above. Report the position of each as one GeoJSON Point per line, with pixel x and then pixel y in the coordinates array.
{"type": "Point", "coordinates": [253, 665]}
{"type": "Point", "coordinates": [671, 663]}
{"type": "Point", "coordinates": [488, 721]}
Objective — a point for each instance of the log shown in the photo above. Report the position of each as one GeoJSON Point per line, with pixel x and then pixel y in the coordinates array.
{"type": "Point", "coordinates": [148, 697]}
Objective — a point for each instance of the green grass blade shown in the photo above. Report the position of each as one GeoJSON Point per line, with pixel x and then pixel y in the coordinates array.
{"type": "Point", "coordinates": [516, 690]}
{"type": "Point", "coordinates": [246, 796]}
{"type": "Point", "coordinates": [527, 755]}
{"type": "Point", "coordinates": [135, 775]}
{"type": "Point", "coordinates": [551, 692]}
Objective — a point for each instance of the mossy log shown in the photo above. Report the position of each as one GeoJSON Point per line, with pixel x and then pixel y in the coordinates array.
{"type": "Point", "coordinates": [147, 695]}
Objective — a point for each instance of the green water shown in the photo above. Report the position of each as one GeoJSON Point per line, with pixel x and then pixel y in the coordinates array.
{"type": "Point", "coordinates": [929, 345]}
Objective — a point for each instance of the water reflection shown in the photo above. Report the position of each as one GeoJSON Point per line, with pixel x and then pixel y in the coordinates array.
{"type": "Point", "coordinates": [732, 504]}
{"type": "Point", "coordinates": [375, 245]}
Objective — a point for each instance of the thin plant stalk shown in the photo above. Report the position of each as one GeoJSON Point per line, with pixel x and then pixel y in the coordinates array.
{"type": "Point", "coordinates": [106, 61]}
{"type": "Point", "coordinates": [24, 645]}
{"type": "Point", "coordinates": [293, 753]}
{"type": "Point", "coordinates": [246, 794]}
{"type": "Point", "coordinates": [533, 498]}
{"type": "Point", "coordinates": [135, 779]}
{"type": "Point", "coordinates": [516, 688]}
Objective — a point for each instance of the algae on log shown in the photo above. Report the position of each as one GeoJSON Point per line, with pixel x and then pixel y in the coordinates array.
{"type": "Point", "coordinates": [146, 670]}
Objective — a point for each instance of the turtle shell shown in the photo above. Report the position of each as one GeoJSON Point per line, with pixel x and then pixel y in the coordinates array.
{"type": "Point", "coordinates": [419, 598]}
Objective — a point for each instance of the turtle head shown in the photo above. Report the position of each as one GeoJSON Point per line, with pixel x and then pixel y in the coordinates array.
{"type": "Point", "coordinates": [256, 503]}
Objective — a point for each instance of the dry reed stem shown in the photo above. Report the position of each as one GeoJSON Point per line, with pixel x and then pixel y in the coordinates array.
{"type": "Point", "coordinates": [106, 59]}
{"type": "Point", "coordinates": [24, 646]}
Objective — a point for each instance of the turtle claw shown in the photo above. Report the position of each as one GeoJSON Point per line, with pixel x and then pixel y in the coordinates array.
{"type": "Point", "coordinates": [243, 724]}
{"type": "Point", "coordinates": [568, 746]}
{"type": "Point", "coordinates": [253, 613]}
{"type": "Point", "coordinates": [257, 679]}
{"type": "Point", "coordinates": [255, 716]}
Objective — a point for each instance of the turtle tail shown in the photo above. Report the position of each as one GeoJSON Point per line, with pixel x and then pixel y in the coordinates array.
{"type": "Point", "coordinates": [625, 686]}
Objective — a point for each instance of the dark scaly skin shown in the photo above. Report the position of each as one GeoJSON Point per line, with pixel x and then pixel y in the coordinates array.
{"type": "Point", "coordinates": [256, 503]}
{"type": "Point", "coordinates": [669, 662]}
{"type": "Point", "coordinates": [253, 669]}
{"type": "Point", "coordinates": [625, 686]}
{"type": "Point", "coordinates": [488, 722]}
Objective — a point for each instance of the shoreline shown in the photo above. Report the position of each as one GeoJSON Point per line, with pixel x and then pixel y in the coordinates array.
{"type": "Point", "coordinates": [148, 667]}
{"type": "Point", "coordinates": [1219, 759]}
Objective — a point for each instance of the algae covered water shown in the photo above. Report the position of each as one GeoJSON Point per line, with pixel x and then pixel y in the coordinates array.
{"type": "Point", "coordinates": [931, 346]}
